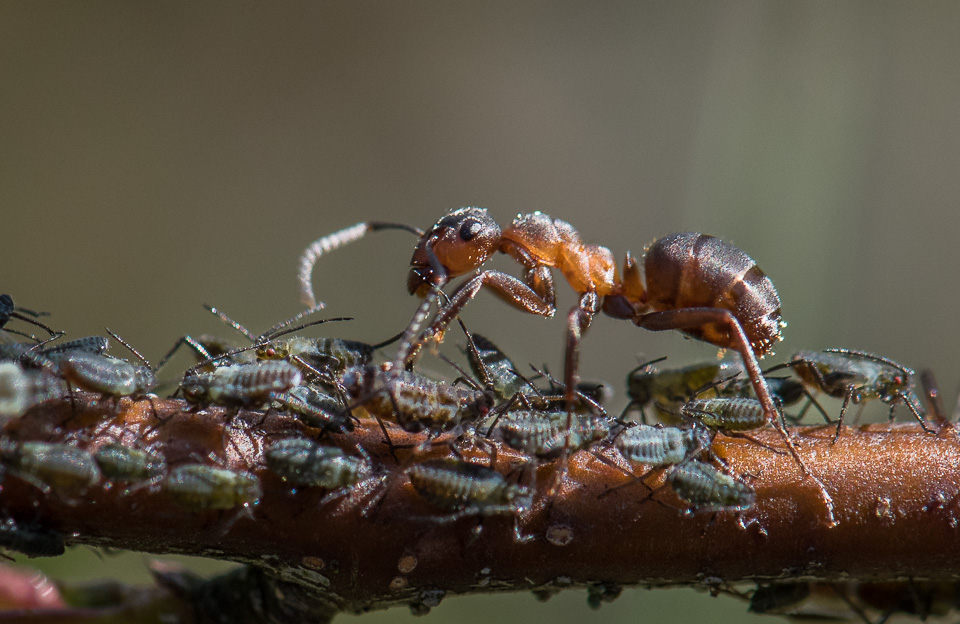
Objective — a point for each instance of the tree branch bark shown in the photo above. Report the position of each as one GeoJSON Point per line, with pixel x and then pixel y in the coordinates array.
{"type": "Point", "coordinates": [895, 488]}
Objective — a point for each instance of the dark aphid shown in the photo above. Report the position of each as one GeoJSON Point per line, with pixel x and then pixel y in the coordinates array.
{"type": "Point", "coordinates": [491, 365]}
{"type": "Point", "coordinates": [199, 487]}
{"type": "Point", "coordinates": [666, 390]}
{"type": "Point", "coordinates": [661, 446]}
{"type": "Point", "coordinates": [240, 385]}
{"type": "Point", "coordinates": [545, 434]}
{"type": "Point", "coordinates": [316, 408]}
{"type": "Point", "coordinates": [413, 401]}
{"type": "Point", "coordinates": [21, 389]}
{"type": "Point", "coordinates": [725, 414]}
{"type": "Point", "coordinates": [32, 541]}
{"type": "Point", "coordinates": [96, 345]}
{"type": "Point", "coordinates": [707, 489]}
{"type": "Point", "coordinates": [124, 463]}
{"type": "Point", "coordinates": [466, 489]}
{"type": "Point", "coordinates": [856, 376]}
{"type": "Point", "coordinates": [303, 462]}
{"type": "Point", "coordinates": [58, 467]}
{"type": "Point", "coordinates": [10, 311]}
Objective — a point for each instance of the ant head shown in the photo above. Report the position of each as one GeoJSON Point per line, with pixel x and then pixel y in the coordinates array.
{"type": "Point", "coordinates": [458, 243]}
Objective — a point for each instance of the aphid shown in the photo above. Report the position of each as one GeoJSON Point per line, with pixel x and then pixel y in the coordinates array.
{"type": "Point", "coordinates": [58, 467]}
{"type": "Point", "coordinates": [107, 375]}
{"type": "Point", "coordinates": [493, 367]}
{"type": "Point", "coordinates": [659, 446]}
{"type": "Point", "coordinates": [413, 401]}
{"type": "Point", "coordinates": [211, 351]}
{"type": "Point", "coordinates": [21, 389]}
{"type": "Point", "coordinates": [316, 408]}
{"type": "Point", "coordinates": [198, 487]}
{"type": "Point", "coordinates": [32, 541]}
{"type": "Point", "coordinates": [10, 311]}
{"type": "Point", "coordinates": [328, 356]}
{"type": "Point", "coordinates": [544, 434]}
{"type": "Point", "coordinates": [123, 463]}
{"type": "Point", "coordinates": [303, 462]}
{"type": "Point", "coordinates": [240, 385]}
{"type": "Point", "coordinates": [856, 376]}
{"type": "Point", "coordinates": [707, 489]}
{"type": "Point", "coordinates": [696, 284]}
{"type": "Point", "coordinates": [725, 414]}
{"type": "Point", "coordinates": [668, 389]}
{"type": "Point", "coordinates": [466, 489]}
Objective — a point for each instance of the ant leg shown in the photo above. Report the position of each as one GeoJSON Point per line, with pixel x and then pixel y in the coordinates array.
{"type": "Point", "coordinates": [696, 317]}
{"type": "Point", "coordinates": [507, 287]}
{"type": "Point", "coordinates": [333, 241]}
{"type": "Point", "coordinates": [578, 321]}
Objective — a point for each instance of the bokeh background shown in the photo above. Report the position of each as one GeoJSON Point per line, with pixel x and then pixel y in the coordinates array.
{"type": "Point", "coordinates": [157, 156]}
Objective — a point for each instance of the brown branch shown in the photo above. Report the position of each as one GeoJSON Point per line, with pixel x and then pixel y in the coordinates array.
{"type": "Point", "coordinates": [895, 489]}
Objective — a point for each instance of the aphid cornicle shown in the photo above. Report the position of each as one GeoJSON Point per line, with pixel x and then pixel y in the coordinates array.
{"type": "Point", "coordinates": [857, 376]}
{"type": "Point", "coordinates": [198, 487]}
{"type": "Point", "coordinates": [240, 385]}
{"type": "Point", "coordinates": [303, 462]}
{"type": "Point", "coordinates": [708, 489]}
{"type": "Point", "coordinates": [695, 283]}
{"type": "Point", "coordinates": [61, 468]}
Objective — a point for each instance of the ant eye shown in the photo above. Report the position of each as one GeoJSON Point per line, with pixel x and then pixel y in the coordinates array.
{"type": "Point", "coordinates": [470, 229]}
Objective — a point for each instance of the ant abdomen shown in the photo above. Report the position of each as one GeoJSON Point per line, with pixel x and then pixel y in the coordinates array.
{"type": "Point", "coordinates": [692, 270]}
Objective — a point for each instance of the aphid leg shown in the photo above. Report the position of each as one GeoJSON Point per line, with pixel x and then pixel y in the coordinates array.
{"type": "Point", "coordinates": [812, 400]}
{"type": "Point", "coordinates": [697, 317]}
{"type": "Point", "coordinates": [911, 401]}
{"type": "Point", "coordinates": [848, 396]}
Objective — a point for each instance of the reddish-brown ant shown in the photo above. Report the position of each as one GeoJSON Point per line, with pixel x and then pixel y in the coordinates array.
{"type": "Point", "coordinates": [695, 283]}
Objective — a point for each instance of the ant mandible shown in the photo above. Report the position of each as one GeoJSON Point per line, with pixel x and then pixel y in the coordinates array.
{"type": "Point", "coordinates": [697, 284]}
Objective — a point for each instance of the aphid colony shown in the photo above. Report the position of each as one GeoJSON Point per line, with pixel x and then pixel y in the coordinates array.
{"type": "Point", "coordinates": [696, 284]}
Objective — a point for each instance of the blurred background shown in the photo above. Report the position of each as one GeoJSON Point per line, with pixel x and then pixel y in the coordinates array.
{"type": "Point", "coordinates": [154, 157]}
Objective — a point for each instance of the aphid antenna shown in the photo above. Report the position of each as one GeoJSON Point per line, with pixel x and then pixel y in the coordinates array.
{"type": "Point", "coordinates": [229, 321]}
{"type": "Point", "coordinates": [312, 309]}
{"type": "Point", "coordinates": [192, 342]}
{"type": "Point", "coordinates": [387, 342]}
{"type": "Point", "coordinates": [273, 336]}
{"type": "Point", "coordinates": [330, 242]}
{"type": "Point", "coordinates": [871, 356]}
{"type": "Point", "coordinates": [593, 404]}
{"type": "Point", "coordinates": [646, 364]}
{"type": "Point", "coordinates": [130, 348]}
{"type": "Point", "coordinates": [464, 375]}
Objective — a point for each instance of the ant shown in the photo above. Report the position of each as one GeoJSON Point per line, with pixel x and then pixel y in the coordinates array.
{"type": "Point", "coordinates": [695, 283]}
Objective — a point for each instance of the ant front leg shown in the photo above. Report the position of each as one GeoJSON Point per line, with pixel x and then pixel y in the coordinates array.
{"type": "Point", "coordinates": [688, 318]}
{"type": "Point", "coordinates": [507, 287]}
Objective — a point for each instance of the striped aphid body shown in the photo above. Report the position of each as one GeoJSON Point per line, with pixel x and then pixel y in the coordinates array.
{"type": "Point", "coordinates": [241, 385]}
